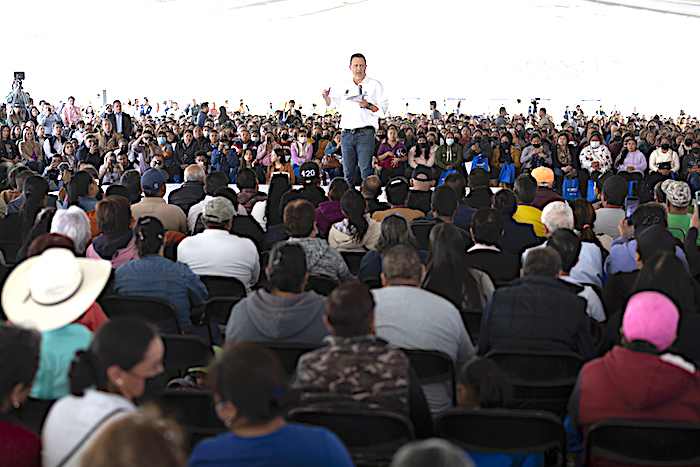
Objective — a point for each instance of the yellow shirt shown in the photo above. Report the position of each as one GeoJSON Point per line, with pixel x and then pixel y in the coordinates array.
{"type": "Point", "coordinates": [530, 215]}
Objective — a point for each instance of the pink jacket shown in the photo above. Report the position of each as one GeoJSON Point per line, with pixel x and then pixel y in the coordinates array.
{"type": "Point", "coordinates": [122, 256]}
{"type": "Point", "coordinates": [264, 154]}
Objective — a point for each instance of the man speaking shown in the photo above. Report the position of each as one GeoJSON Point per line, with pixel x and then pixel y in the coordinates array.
{"type": "Point", "coordinates": [360, 102]}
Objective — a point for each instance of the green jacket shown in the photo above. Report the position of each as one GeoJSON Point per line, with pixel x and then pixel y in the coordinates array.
{"type": "Point", "coordinates": [447, 160]}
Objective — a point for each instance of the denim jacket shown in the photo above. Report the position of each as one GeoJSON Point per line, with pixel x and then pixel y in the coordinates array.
{"type": "Point", "coordinates": [157, 277]}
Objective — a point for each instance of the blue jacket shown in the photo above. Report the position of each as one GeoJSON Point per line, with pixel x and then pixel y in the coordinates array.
{"type": "Point", "coordinates": [157, 277]}
{"type": "Point", "coordinates": [228, 164]}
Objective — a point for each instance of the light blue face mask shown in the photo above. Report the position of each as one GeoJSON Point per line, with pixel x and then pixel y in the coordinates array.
{"type": "Point", "coordinates": [449, 141]}
{"type": "Point", "coordinates": [161, 140]}
{"type": "Point", "coordinates": [595, 144]}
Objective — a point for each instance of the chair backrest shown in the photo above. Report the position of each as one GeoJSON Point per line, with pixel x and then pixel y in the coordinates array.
{"type": "Point", "coordinates": [353, 259]}
{"type": "Point", "coordinates": [433, 366]}
{"type": "Point", "coordinates": [372, 436]}
{"type": "Point", "coordinates": [373, 282]}
{"type": "Point", "coordinates": [194, 410]}
{"type": "Point", "coordinates": [288, 354]}
{"type": "Point", "coordinates": [154, 310]}
{"type": "Point", "coordinates": [9, 251]}
{"type": "Point", "coordinates": [323, 285]}
{"type": "Point", "coordinates": [218, 309]}
{"type": "Point", "coordinates": [472, 321]}
{"type": "Point", "coordinates": [541, 380]}
{"type": "Point", "coordinates": [502, 430]}
{"type": "Point", "coordinates": [183, 352]}
{"type": "Point", "coordinates": [538, 368]}
{"type": "Point", "coordinates": [220, 286]}
{"type": "Point", "coordinates": [644, 442]}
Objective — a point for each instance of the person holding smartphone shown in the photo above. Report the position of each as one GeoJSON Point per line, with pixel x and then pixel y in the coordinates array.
{"type": "Point", "coordinates": [111, 171]}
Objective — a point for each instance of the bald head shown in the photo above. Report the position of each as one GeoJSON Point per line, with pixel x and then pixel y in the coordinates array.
{"type": "Point", "coordinates": [194, 173]}
{"type": "Point", "coordinates": [371, 186]}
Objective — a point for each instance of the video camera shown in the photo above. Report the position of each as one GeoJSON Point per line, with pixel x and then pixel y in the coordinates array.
{"type": "Point", "coordinates": [19, 76]}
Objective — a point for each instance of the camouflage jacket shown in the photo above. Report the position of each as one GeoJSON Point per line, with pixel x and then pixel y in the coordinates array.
{"type": "Point", "coordinates": [358, 369]}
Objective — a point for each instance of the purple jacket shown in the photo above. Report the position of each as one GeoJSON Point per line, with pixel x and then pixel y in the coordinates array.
{"type": "Point", "coordinates": [327, 214]}
{"type": "Point", "coordinates": [633, 159]}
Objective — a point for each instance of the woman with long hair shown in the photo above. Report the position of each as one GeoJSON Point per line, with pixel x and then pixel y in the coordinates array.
{"type": "Point", "coordinates": [450, 274]}
{"type": "Point", "coordinates": [68, 153]}
{"type": "Point", "coordinates": [31, 151]}
{"type": "Point", "coordinates": [279, 163]}
{"type": "Point", "coordinates": [358, 232]}
{"type": "Point", "coordinates": [584, 221]}
{"type": "Point", "coordinates": [16, 134]}
{"type": "Point", "coordinates": [565, 162]}
{"type": "Point", "coordinates": [267, 212]}
{"type": "Point", "coordinates": [395, 228]}
{"type": "Point", "coordinates": [9, 154]}
{"type": "Point", "coordinates": [36, 190]}
{"type": "Point", "coordinates": [123, 362]}
{"type": "Point", "coordinates": [596, 162]}
{"type": "Point", "coordinates": [82, 191]}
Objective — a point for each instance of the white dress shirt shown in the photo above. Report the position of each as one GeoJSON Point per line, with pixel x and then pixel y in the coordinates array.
{"type": "Point", "coordinates": [352, 115]}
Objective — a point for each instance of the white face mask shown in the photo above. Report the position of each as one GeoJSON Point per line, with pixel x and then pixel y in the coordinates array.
{"type": "Point", "coordinates": [595, 144]}
{"type": "Point", "coordinates": [302, 139]}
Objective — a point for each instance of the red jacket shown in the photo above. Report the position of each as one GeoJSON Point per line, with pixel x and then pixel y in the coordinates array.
{"type": "Point", "coordinates": [19, 447]}
{"type": "Point", "coordinates": [630, 384]}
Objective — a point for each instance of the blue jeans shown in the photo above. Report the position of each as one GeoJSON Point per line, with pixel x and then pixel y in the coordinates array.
{"type": "Point", "coordinates": [357, 149]}
{"type": "Point", "coordinates": [694, 181]}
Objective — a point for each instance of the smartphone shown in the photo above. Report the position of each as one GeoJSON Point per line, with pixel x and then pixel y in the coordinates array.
{"type": "Point", "coordinates": [697, 198]}
{"type": "Point", "coordinates": [631, 205]}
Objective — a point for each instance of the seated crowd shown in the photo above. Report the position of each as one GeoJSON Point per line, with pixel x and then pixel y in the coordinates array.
{"type": "Point", "coordinates": [587, 248]}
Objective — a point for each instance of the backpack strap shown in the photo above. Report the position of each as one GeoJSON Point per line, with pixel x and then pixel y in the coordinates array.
{"type": "Point", "coordinates": [82, 441]}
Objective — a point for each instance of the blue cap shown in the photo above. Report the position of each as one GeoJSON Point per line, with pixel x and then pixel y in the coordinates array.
{"type": "Point", "coordinates": [152, 180]}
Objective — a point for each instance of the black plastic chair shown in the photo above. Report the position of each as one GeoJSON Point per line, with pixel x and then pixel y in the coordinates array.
{"type": "Point", "coordinates": [32, 413]}
{"type": "Point", "coordinates": [644, 442]}
{"type": "Point", "coordinates": [541, 380]}
{"type": "Point", "coordinates": [514, 432]}
{"type": "Point", "coordinates": [194, 410]}
{"type": "Point", "coordinates": [183, 352]}
{"type": "Point", "coordinates": [219, 286]}
{"type": "Point", "coordinates": [373, 282]}
{"type": "Point", "coordinates": [154, 310]}
{"type": "Point", "coordinates": [371, 436]}
{"type": "Point", "coordinates": [9, 251]}
{"type": "Point", "coordinates": [433, 366]}
{"type": "Point", "coordinates": [323, 285]}
{"type": "Point", "coordinates": [353, 261]}
{"type": "Point", "coordinates": [288, 354]}
{"type": "Point", "coordinates": [472, 321]}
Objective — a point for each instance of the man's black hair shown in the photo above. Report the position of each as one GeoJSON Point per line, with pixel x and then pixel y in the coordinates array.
{"type": "Point", "coordinates": [358, 56]}
{"type": "Point", "coordinates": [444, 201]}
{"type": "Point", "coordinates": [215, 180]}
{"type": "Point", "coordinates": [478, 178]}
{"type": "Point", "coordinates": [525, 188]}
{"type": "Point", "coordinates": [246, 179]}
{"type": "Point", "coordinates": [487, 225]}
{"type": "Point", "coordinates": [568, 245]}
{"type": "Point", "coordinates": [397, 191]}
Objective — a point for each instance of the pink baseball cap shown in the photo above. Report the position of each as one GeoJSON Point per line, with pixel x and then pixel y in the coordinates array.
{"type": "Point", "coordinates": [651, 317]}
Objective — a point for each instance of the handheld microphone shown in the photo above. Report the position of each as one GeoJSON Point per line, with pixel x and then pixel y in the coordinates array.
{"type": "Point", "coordinates": [360, 89]}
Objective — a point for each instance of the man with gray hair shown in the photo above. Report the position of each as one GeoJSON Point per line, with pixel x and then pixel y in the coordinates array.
{"type": "Point", "coordinates": [216, 251]}
{"type": "Point", "coordinates": [402, 320]}
{"type": "Point", "coordinates": [538, 311]}
{"type": "Point", "coordinates": [74, 224]}
{"type": "Point", "coordinates": [589, 269]}
{"type": "Point", "coordinates": [192, 191]}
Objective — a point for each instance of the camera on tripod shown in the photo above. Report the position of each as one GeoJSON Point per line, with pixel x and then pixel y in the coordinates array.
{"type": "Point", "coordinates": [19, 76]}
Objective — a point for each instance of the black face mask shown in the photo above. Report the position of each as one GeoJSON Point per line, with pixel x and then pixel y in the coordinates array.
{"type": "Point", "coordinates": [688, 142]}
{"type": "Point", "coordinates": [536, 145]}
{"type": "Point", "coordinates": [269, 140]}
{"type": "Point", "coordinates": [477, 139]}
{"type": "Point", "coordinates": [665, 146]}
{"type": "Point", "coordinates": [521, 132]}
{"type": "Point", "coordinates": [423, 145]}
{"type": "Point", "coordinates": [380, 136]}
{"type": "Point", "coordinates": [617, 138]}
{"type": "Point", "coordinates": [153, 388]}
{"type": "Point", "coordinates": [505, 145]}
{"type": "Point", "coordinates": [696, 150]}
{"type": "Point", "coordinates": [285, 137]}
{"type": "Point", "coordinates": [317, 137]}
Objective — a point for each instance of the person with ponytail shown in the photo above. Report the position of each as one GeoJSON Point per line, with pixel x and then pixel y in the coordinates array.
{"type": "Point", "coordinates": [584, 221]}
{"type": "Point", "coordinates": [82, 191]}
{"type": "Point", "coordinates": [16, 227]}
{"type": "Point", "coordinates": [154, 276]}
{"type": "Point", "coordinates": [251, 398]}
{"type": "Point", "coordinates": [358, 232]}
{"type": "Point", "coordinates": [123, 363]}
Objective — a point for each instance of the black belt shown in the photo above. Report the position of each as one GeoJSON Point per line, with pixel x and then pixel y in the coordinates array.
{"type": "Point", "coordinates": [355, 130]}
